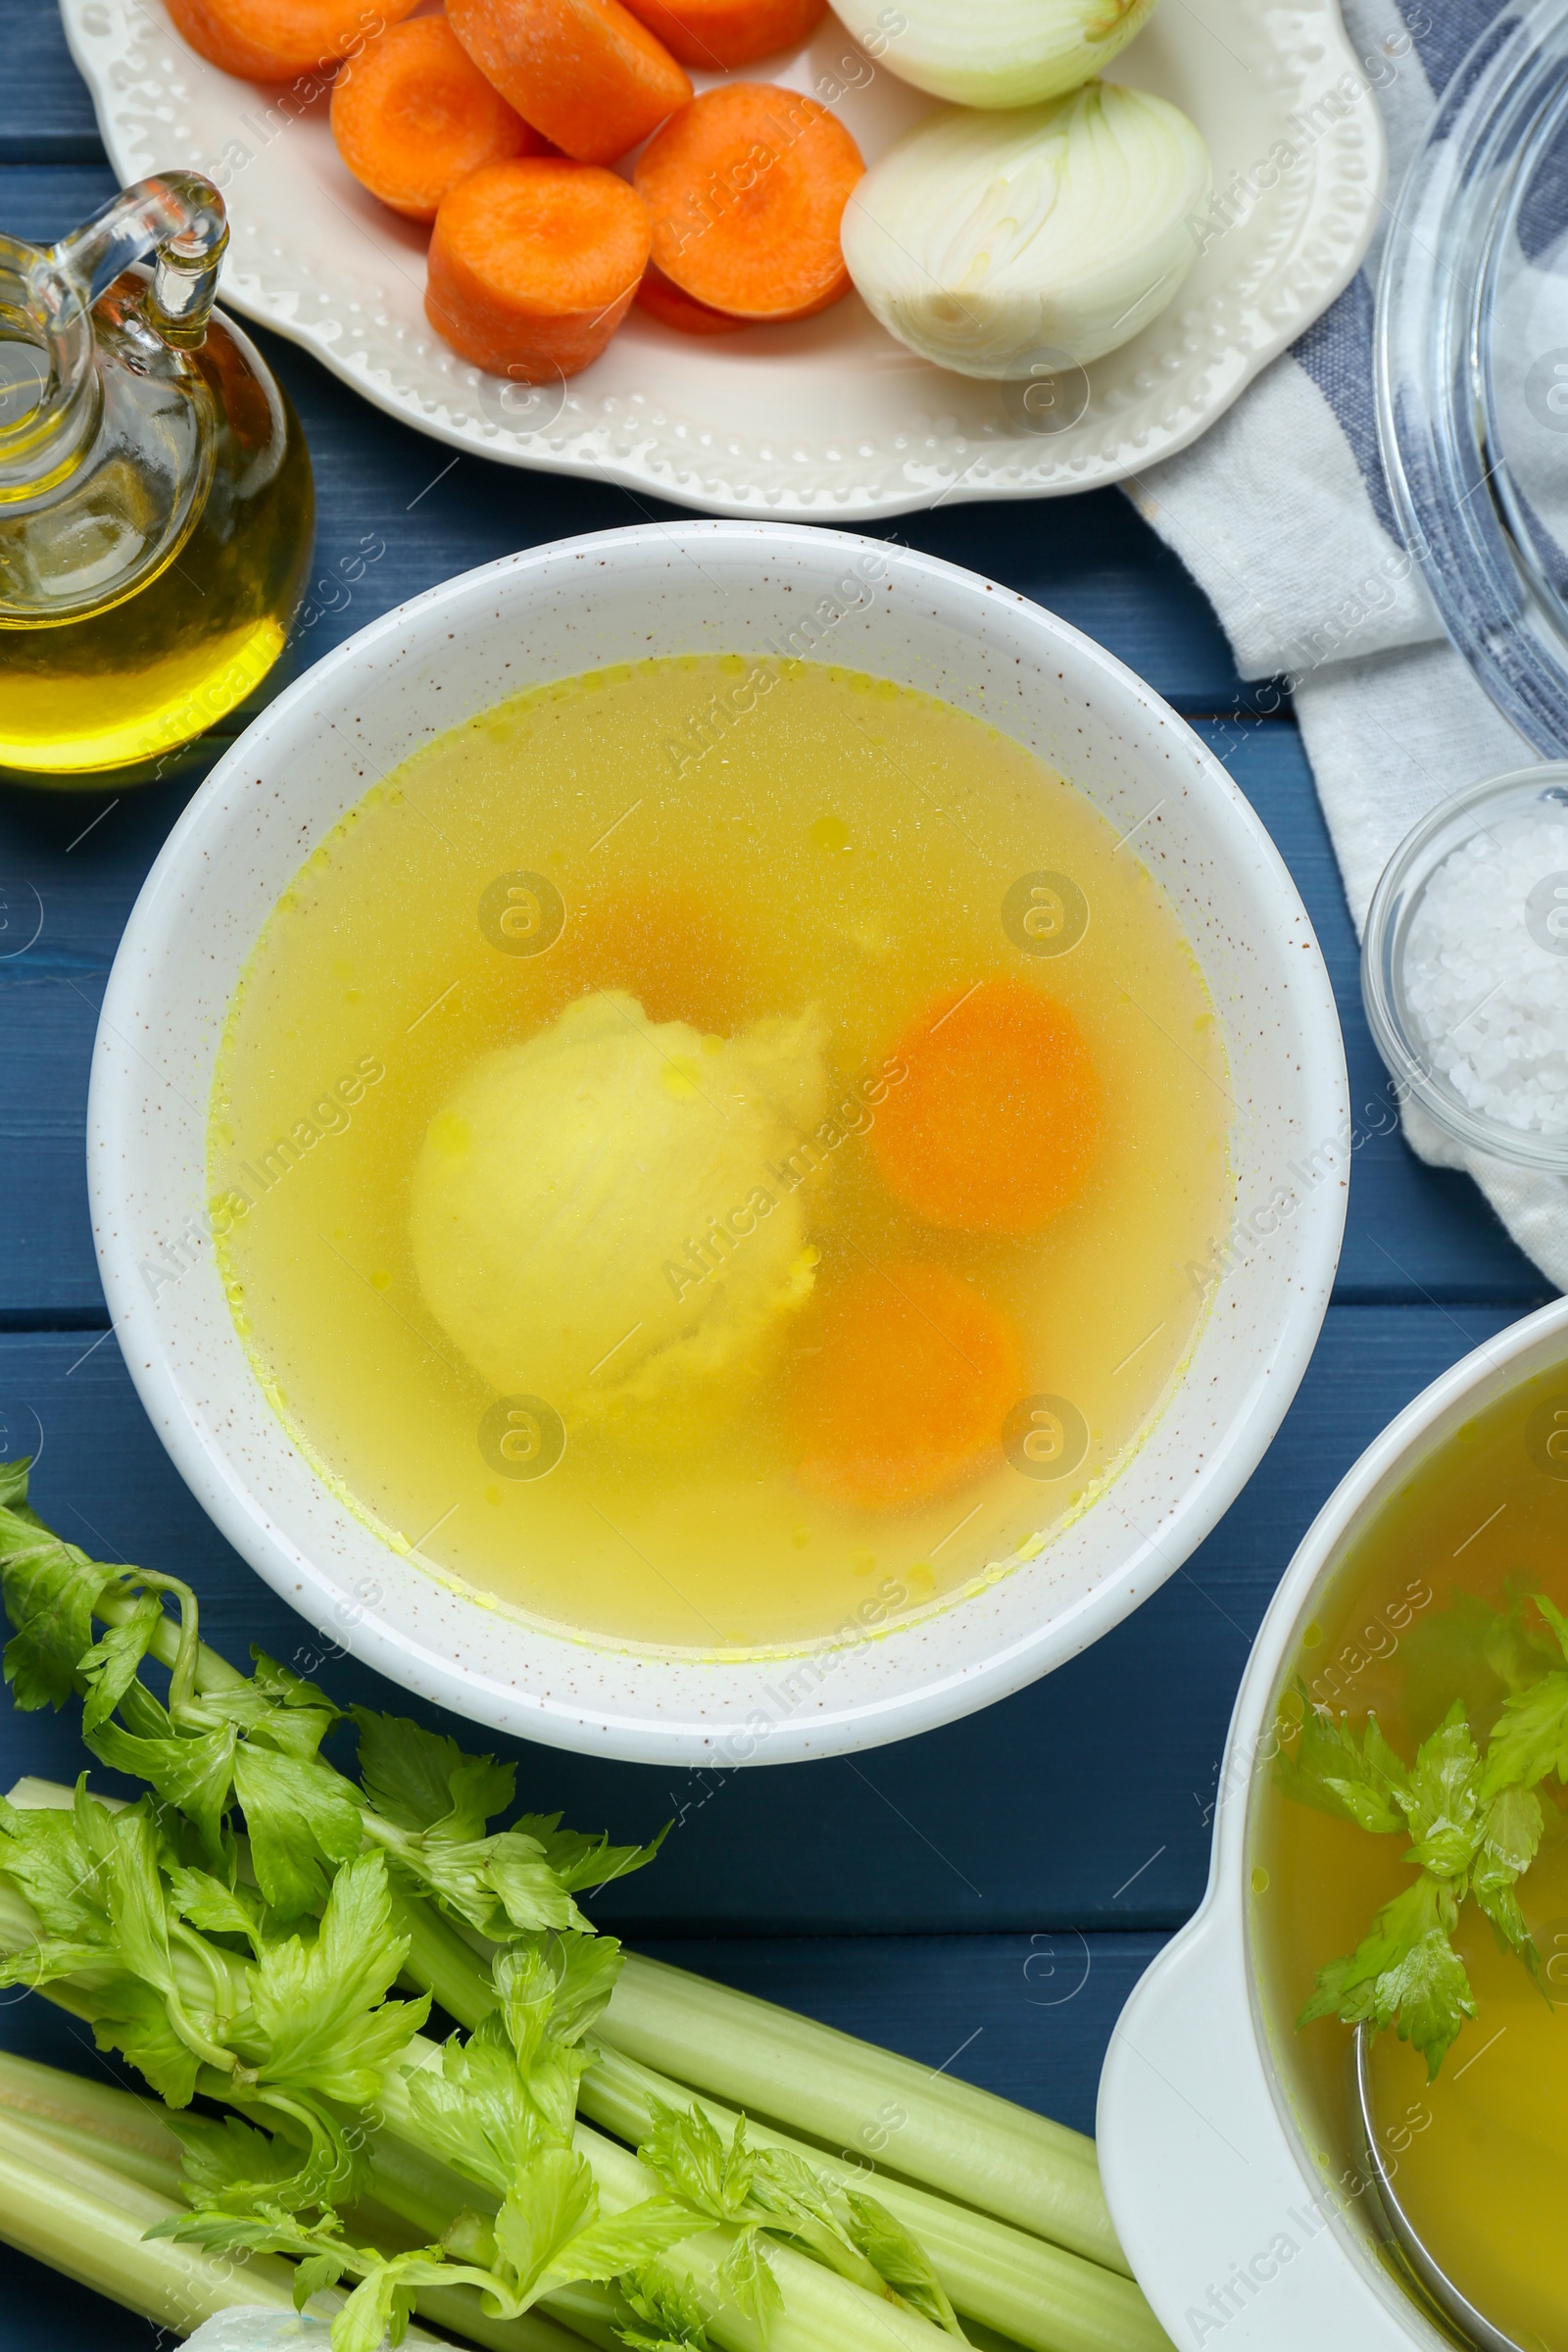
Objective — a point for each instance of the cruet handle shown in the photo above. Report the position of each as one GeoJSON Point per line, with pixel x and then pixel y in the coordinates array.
{"type": "Point", "coordinates": [179, 219]}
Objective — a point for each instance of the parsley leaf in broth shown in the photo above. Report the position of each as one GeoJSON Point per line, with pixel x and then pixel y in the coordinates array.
{"type": "Point", "coordinates": [1530, 1737]}
{"type": "Point", "coordinates": [1354, 1779]}
{"type": "Point", "coordinates": [1472, 1815]}
{"type": "Point", "coordinates": [1404, 1972]}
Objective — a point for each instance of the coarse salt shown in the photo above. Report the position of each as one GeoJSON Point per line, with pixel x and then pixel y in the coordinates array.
{"type": "Point", "coordinates": [1486, 973]}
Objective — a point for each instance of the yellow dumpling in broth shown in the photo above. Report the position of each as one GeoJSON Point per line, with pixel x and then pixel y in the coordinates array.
{"type": "Point", "coordinates": [593, 1221]}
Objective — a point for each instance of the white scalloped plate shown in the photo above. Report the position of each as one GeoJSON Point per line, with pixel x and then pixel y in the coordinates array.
{"type": "Point", "coordinates": [830, 419]}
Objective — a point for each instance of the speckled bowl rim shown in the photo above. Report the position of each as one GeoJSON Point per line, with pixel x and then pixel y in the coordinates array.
{"type": "Point", "coordinates": [612, 596]}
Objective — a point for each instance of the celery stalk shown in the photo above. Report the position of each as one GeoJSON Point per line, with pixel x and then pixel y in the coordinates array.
{"type": "Point", "coordinates": [96, 2120]}
{"type": "Point", "coordinates": [821, 2311]}
{"type": "Point", "coordinates": [836, 2091]}
{"type": "Point", "coordinates": [82, 2139]}
{"type": "Point", "coordinates": [983, 2151]}
{"type": "Point", "coordinates": [1036, 2293]}
{"type": "Point", "coordinates": [1003, 2279]}
{"type": "Point", "coordinates": [85, 2219]}
{"type": "Point", "coordinates": [933, 2130]}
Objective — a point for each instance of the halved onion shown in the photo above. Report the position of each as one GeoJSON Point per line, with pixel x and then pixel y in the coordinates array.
{"type": "Point", "coordinates": [1004, 244]}
{"type": "Point", "coordinates": [1004, 52]}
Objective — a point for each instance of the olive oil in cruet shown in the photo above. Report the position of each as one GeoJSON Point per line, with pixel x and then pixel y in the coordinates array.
{"type": "Point", "coordinates": [156, 502]}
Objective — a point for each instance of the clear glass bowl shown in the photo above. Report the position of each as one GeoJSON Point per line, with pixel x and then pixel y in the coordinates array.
{"type": "Point", "coordinates": [1385, 946]}
{"type": "Point", "coordinates": [1472, 365]}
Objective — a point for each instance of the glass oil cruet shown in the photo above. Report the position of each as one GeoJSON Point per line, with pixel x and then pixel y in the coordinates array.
{"type": "Point", "coordinates": [156, 503]}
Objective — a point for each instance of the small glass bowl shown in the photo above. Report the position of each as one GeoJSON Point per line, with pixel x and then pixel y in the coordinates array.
{"type": "Point", "coordinates": [1395, 902]}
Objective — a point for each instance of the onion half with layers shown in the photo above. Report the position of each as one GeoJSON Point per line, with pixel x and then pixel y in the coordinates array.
{"type": "Point", "coordinates": [1003, 244]}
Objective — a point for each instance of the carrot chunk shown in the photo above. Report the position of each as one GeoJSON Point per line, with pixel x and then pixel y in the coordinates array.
{"type": "Point", "coordinates": [905, 1397]}
{"type": "Point", "coordinates": [533, 266]}
{"type": "Point", "coordinates": [583, 71]}
{"type": "Point", "coordinates": [715, 34]}
{"type": "Point", "coordinates": [673, 306]}
{"type": "Point", "coordinates": [746, 187]}
{"type": "Point", "coordinates": [415, 115]}
{"type": "Point", "coordinates": [278, 40]}
{"type": "Point", "coordinates": [1001, 1120]}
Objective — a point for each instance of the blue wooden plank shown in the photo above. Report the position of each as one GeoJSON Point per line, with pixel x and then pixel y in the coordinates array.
{"type": "Point", "coordinates": [1108, 1765]}
{"type": "Point", "coordinates": [1411, 1231]}
{"type": "Point", "coordinates": [45, 113]}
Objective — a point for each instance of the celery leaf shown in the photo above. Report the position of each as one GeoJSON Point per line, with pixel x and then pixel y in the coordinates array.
{"type": "Point", "coordinates": [221, 2157]}
{"type": "Point", "coordinates": [49, 1588]}
{"type": "Point", "coordinates": [1404, 1972]}
{"type": "Point", "coordinates": [132, 2018]}
{"type": "Point", "coordinates": [687, 2154]}
{"type": "Point", "coordinates": [1441, 1799]}
{"type": "Point", "coordinates": [319, 2009]}
{"type": "Point", "coordinates": [1329, 1768]}
{"type": "Point", "coordinates": [472, 2110]}
{"type": "Point", "coordinates": [302, 1817]}
{"type": "Point", "coordinates": [315, 2273]}
{"type": "Point", "coordinates": [113, 1663]}
{"type": "Point", "coordinates": [42, 1854]}
{"type": "Point", "coordinates": [675, 2322]}
{"type": "Point", "coordinates": [277, 1707]}
{"type": "Point", "coordinates": [899, 2259]}
{"type": "Point", "coordinates": [623, 2241]}
{"type": "Point", "coordinates": [1530, 1737]}
{"type": "Point", "coordinates": [1510, 1836]}
{"type": "Point", "coordinates": [195, 1772]}
{"type": "Point", "coordinates": [546, 2205]}
{"type": "Point", "coordinates": [555, 1988]}
{"type": "Point", "coordinates": [421, 1781]}
{"type": "Point", "coordinates": [746, 2277]}
{"type": "Point", "coordinates": [580, 1861]}
{"type": "Point", "coordinates": [217, 1910]}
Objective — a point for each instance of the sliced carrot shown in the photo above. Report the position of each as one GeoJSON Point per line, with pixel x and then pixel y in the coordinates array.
{"type": "Point", "coordinates": [673, 306]}
{"type": "Point", "coordinates": [278, 40]}
{"type": "Point", "coordinates": [715, 34]}
{"type": "Point", "coordinates": [906, 1395]}
{"type": "Point", "coordinates": [583, 71]}
{"type": "Point", "coordinates": [415, 115]}
{"type": "Point", "coordinates": [533, 266]}
{"type": "Point", "coordinates": [1000, 1118]}
{"type": "Point", "coordinates": [746, 187]}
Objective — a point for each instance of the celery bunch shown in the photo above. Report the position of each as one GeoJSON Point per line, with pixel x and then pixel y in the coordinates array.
{"type": "Point", "coordinates": [264, 1933]}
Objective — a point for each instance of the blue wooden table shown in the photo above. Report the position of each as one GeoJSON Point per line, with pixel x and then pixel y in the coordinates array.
{"type": "Point", "coordinates": [985, 1896]}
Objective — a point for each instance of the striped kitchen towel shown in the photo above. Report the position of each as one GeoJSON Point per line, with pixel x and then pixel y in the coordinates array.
{"type": "Point", "coordinates": [1283, 514]}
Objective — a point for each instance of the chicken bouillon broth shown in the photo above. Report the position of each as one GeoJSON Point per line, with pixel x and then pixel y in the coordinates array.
{"type": "Point", "coordinates": [1435, 1851]}
{"type": "Point", "coordinates": [715, 1197]}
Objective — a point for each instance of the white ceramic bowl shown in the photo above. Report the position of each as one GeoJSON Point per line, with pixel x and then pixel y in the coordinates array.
{"type": "Point", "coordinates": [1206, 2165]}
{"type": "Point", "coordinates": [554, 612]}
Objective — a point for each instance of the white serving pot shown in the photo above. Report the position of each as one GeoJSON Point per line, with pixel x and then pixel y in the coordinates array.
{"type": "Point", "coordinates": [719, 588]}
{"type": "Point", "coordinates": [1236, 2233]}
